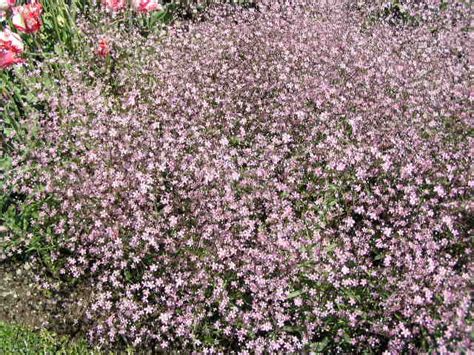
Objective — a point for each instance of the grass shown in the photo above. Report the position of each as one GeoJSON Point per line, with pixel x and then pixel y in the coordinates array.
{"type": "Point", "coordinates": [16, 339]}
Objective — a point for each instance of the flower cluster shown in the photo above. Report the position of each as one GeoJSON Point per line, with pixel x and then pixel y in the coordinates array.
{"type": "Point", "coordinates": [142, 6]}
{"type": "Point", "coordinates": [277, 179]}
{"type": "Point", "coordinates": [26, 19]}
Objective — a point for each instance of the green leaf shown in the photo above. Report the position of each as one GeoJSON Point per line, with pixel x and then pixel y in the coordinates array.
{"type": "Point", "coordinates": [5, 163]}
{"type": "Point", "coordinates": [320, 346]}
{"type": "Point", "coordinates": [379, 257]}
{"type": "Point", "coordinates": [61, 20]}
{"type": "Point", "coordinates": [295, 294]}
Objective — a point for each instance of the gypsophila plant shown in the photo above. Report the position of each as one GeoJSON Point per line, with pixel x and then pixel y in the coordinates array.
{"type": "Point", "coordinates": [284, 179]}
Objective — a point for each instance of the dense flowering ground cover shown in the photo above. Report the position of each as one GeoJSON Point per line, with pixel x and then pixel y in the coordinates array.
{"type": "Point", "coordinates": [283, 177]}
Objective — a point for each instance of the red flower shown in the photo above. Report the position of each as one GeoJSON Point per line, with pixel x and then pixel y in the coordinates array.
{"type": "Point", "coordinates": [103, 49]}
{"type": "Point", "coordinates": [27, 18]}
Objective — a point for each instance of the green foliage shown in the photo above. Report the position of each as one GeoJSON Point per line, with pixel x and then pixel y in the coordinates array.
{"type": "Point", "coordinates": [59, 31]}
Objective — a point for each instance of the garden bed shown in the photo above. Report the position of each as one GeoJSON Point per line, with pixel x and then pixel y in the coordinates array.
{"type": "Point", "coordinates": [265, 178]}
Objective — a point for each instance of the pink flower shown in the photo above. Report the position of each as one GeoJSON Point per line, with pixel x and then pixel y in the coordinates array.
{"type": "Point", "coordinates": [11, 46]}
{"type": "Point", "coordinates": [146, 5]}
{"type": "Point", "coordinates": [103, 49]}
{"type": "Point", "coordinates": [9, 58]}
{"type": "Point", "coordinates": [6, 4]}
{"type": "Point", "coordinates": [27, 18]}
{"type": "Point", "coordinates": [114, 5]}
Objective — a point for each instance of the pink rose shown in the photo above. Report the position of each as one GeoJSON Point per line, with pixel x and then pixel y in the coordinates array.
{"type": "Point", "coordinates": [145, 5]}
{"type": "Point", "coordinates": [114, 5]}
{"type": "Point", "coordinates": [9, 58]}
{"type": "Point", "coordinates": [27, 18]}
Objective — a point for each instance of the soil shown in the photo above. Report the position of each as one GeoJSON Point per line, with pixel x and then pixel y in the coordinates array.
{"type": "Point", "coordinates": [23, 303]}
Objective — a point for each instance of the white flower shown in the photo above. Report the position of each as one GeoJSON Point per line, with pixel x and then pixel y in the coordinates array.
{"type": "Point", "coordinates": [6, 4]}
